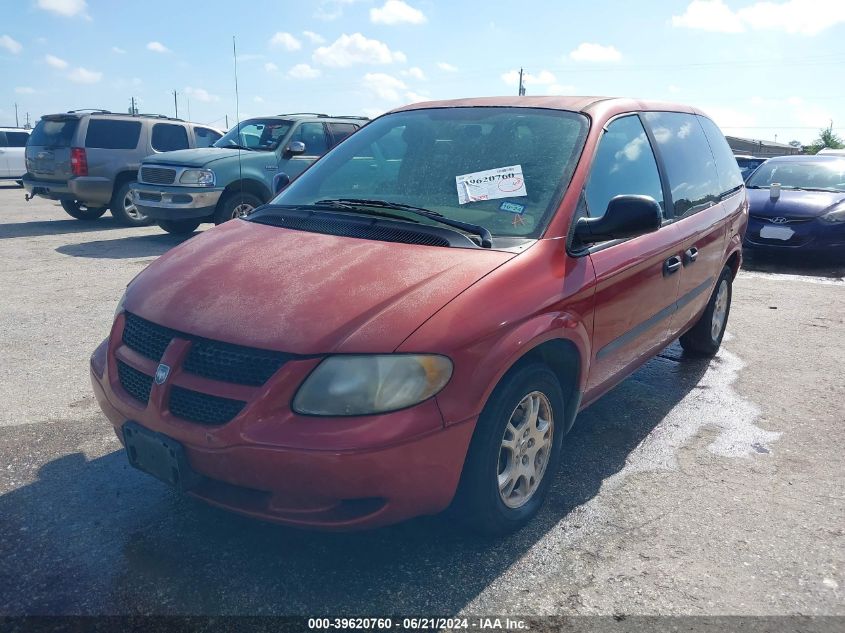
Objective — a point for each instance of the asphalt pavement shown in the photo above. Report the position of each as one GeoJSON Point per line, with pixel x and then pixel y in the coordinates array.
{"type": "Point", "coordinates": [693, 488]}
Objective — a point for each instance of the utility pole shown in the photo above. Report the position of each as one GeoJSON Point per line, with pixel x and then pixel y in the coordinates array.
{"type": "Point", "coordinates": [227, 122]}
{"type": "Point", "coordinates": [27, 126]}
{"type": "Point", "coordinates": [133, 108]}
{"type": "Point", "coordinates": [175, 104]}
{"type": "Point", "coordinates": [521, 85]}
{"type": "Point", "coordinates": [16, 116]}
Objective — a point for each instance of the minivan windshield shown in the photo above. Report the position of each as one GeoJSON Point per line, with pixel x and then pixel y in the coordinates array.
{"type": "Point", "coordinates": [824, 175]}
{"type": "Point", "coordinates": [256, 134]}
{"type": "Point", "coordinates": [500, 168]}
{"type": "Point", "coordinates": [54, 132]}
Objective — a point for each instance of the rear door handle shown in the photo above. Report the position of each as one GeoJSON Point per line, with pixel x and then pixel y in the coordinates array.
{"type": "Point", "coordinates": [672, 265]}
{"type": "Point", "coordinates": [690, 255]}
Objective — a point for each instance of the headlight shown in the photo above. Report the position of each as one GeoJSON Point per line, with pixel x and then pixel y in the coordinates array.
{"type": "Point", "coordinates": [200, 177]}
{"type": "Point", "coordinates": [834, 217]}
{"type": "Point", "coordinates": [364, 385]}
{"type": "Point", "coordinates": [119, 307]}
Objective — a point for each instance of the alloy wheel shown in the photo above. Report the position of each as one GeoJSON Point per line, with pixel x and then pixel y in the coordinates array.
{"type": "Point", "coordinates": [720, 310]}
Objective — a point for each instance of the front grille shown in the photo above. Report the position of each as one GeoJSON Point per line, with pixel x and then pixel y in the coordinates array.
{"type": "Point", "coordinates": [135, 383]}
{"type": "Point", "coordinates": [788, 220]}
{"type": "Point", "coordinates": [207, 358]}
{"type": "Point", "coordinates": [202, 407]}
{"type": "Point", "coordinates": [158, 175]}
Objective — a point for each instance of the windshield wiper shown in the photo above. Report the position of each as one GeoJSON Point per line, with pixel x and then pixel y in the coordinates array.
{"type": "Point", "coordinates": [236, 146]}
{"type": "Point", "coordinates": [353, 203]}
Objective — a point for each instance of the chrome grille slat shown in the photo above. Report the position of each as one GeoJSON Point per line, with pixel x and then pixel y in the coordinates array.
{"type": "Point", "coordinates": [158, 175]}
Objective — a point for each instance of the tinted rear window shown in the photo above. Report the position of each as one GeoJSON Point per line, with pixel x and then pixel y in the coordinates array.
{"type": "Point", "coordinates": [105, 134]}
{"type": "Point", "coordinates": [54, 132]}
{"type": "Point", "coordinates": [726, 165]}
{"type": "Point", "coordinates": [17, 139]}
{"type": "Point", "coordinates": [168, 137]}
{"type": "Point", "coordinates": [341, 130]}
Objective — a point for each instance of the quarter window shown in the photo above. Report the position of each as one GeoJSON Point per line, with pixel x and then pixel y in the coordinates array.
{"type": "Point", "coordinates": [690, 167]}
{"type": "Point", "coordinates": [730, 177]}
{"type": "Point", "coordinates": [314, 137]}
{"type": "Point", "coordinates": [624, 165]}
{"type": "Point", "coordinates": [17, 139]}
{"type": "Point", "coordinates": [206, 137]}
{"type": "Point", "coordinates": [168, 137]}
{"type": "Point", "coordinates": [341, 130]}
{"type": "Point", "coordinates": [106, 134]}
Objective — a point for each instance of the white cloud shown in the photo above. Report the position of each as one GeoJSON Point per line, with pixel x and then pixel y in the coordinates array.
{"type": "Point", "coordinates": [314, 38]}
{"type": "Point", "coordinates": [589, 52]}
{"type": "Point", "coordinates": [559, 89]}
{"type": "Point", "coordinates": [157, 47]}
{"type": "Point", "coordinates": [396, 12]}
{"type": "Point", "coordinates": [373, 112]}
{"type": "Point", "coordinates": [67, 8]}
{"type": "Point", "coordinates": [415, 73]}
{"type": "Point", "coordinates": [270, 67]}
{"type": "Point", "coordinates": [673, 89]}
{"type": "Point", "coordinates": [449, 68]}
{"type": "Point", "coordinates": [804, 17]}
{"type": "Point", "coordinates": [24, 90]}
{"type": "Point", "coordinates": [258, 99]}
{"type": "Point", "coordinates": [118, 50]}
{"type": "Point", "coordinates": [730, 117]}
{"type": "Point", "coordinates": [356, 49]}
{"type": "Point", "coordinates": [385, 86]}
{"type": "Point", "coordinates": [84, 76]}
{"type": "Point", "coordinates": [331, 9]}
{"type": "Point", "coordinates": [303, 71]}
{"type": "Point", "coordinates": [11, 45]}
{"type": "Point", "coordinates": [201, 94]}
{"type": "Point", "coordinates": [285, 41]}
{"type": "Point", "coordinates": [55, 62]}
{"type": "Point", "coordinates": [414, 97]}
{"type": "Point", "coordinates": [543, 82]}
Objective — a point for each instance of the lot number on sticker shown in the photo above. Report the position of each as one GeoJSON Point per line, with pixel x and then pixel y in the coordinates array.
{"type": "Point", "coordinates": [504, 182]}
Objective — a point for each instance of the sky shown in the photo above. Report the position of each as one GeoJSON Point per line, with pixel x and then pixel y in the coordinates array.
{"type": "Point", "coordinates": [768, 70]}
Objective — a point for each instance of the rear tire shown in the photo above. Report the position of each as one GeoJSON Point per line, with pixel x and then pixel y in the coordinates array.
{"type": "Point", "coordinates": [705, 337]}
{"type": "Point", "coordinates": [513, 455]}
{"type": "Point", "coordinates": [179, 227]}
{"type": "Point", "coordinates": [80, 211]}
{"type": "Point", "coordinates": [236, 205]}
{"type": "Point", "coordinates": [123, 208]}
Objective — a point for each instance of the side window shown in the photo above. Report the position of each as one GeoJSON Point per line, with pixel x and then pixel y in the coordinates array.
{"type": "Point", "coordinates": [106, 134]}
{"type": "Point", "coordinates": [689, 162]}
{"type": "Point", "coordinates": [314, 137]}
{"type": "Point", "coordinates": [624, 165]}
{"type": "Point", "coordinates": [3, 141]}
{"type": "Point", "coordinates": [17, 139]}
{"type": "Point", "coordinates": [206, 137]}
{"type": "Point", "coordinates": [341, 130]}
{"type": "Point", "coordinates": [730, 176]}
{"type": "Point", "coordinates": [167, 137]}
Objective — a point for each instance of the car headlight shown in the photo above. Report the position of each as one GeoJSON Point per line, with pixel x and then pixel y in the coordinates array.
{"type": "Point", "coordinates": [199, 177]}
{"type": "Point", "coordinates": [364, 385]}
{"type": "Point", "coordinates": [834, 217]}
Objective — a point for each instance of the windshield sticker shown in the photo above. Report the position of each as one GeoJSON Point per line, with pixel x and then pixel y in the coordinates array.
{"type": "Point", "coordinates": [504, 182]}
{"type": "Point", "coordinates": [512, 207]}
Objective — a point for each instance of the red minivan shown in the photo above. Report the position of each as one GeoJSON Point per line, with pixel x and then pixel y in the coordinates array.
{"type": "Point", "coordinates": [414, 323]}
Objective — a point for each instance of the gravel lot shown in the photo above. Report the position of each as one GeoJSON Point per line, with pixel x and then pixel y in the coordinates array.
{"type": "Point", "coordinates": [693, 488]}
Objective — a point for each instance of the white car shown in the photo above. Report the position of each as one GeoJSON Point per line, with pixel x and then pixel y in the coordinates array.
{"type": "Point", "coordinates": [12, 143]}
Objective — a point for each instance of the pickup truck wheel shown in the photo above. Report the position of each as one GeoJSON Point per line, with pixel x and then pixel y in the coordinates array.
{"type": "Point", "coordinates": [123, 208]}
{"type": "Point", "coordinates": [179, 227]}
{"type": "Point", "coordinates": [514, 452]}
{"type": "Point", "coordinates": [76, 209]}
{"type": "Point", "coordinates": [236, 205]}
{"type": "Point", "coordinates": [705, 337]}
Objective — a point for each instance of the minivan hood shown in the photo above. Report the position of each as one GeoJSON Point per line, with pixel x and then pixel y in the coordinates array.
{"type": "Point", "coordinates": [793, 203]}
{"type": "Point", "coordinates": [198, 157]}
{"type": "Point", "coordinates": [303, 293]}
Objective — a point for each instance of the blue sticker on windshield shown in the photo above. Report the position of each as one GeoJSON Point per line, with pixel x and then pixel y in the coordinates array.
{"type": "Point", "coordinates": [512, 207]}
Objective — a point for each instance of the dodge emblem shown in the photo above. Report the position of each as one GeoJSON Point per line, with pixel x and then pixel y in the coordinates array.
{"type": "Point", "coordinates": [162, 373]}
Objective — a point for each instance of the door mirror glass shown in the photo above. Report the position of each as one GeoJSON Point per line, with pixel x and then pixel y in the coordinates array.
{"type": "Point", "coordinates": [280, 181]}
{"type": "Point", "coordinates": [296, 148]}
{"type": "Point", "coordinates": [626, 216]}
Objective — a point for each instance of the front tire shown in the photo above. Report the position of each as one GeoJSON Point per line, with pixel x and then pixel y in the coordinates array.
{"type": "Point", "coordinates": [179, 227]}
{"type": "Point", "coordinates": [76, 209]}
{"type": "Point", "coordinates": [123, 208]}
{"type": "Point", "coordinates": [236, 205]}
{"type": "Point", "coordinates": [705, 337]}
{"type": "Point", "coordinates": [514, 452]}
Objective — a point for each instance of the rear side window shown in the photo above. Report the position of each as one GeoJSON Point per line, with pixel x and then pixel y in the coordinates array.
{"type": "Point", "coordinates": [105, 134]}
{"type": "Point", "coordinates": [16, 139]}
{"type": "Point", "coordinates": [206, 137]}
{"type": "Point", "coordinates": [168, 137]}
{"type": "Point", "coordinates": [624, 165]}
{"type": "Point", "coordinates": [690, 167]}
{"type": "Point", "coordinates": [314, 137]}
{"type": "Point", "coordinates": [54, 132]}
{"type": "Point", "coordinates": [341, 131]}
{"type": "Point", "coordinates": [730, 177]}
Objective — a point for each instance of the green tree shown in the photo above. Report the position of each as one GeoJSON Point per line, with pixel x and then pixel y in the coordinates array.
{"type": "Point", "coordinates": [826, 139]}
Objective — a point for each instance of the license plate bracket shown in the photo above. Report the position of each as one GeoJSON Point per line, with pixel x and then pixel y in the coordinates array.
{"type": "Point", "coordinates": [160, 456]}
{"type": "Point", "coordinates": [776, 233]}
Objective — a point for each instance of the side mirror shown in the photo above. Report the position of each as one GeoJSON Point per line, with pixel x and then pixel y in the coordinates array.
{"type": "Point", "coordinates": [296, 147]}
{"type": "Point", "coordinates": [626, 216]}
{"type": "Point", "coordinates": [280, 181]}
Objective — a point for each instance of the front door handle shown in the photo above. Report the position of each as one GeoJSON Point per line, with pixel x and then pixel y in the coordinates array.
{"type": "Point", "coordinates": [690, 255]}
{"type": "Point", "coordinates": [672, 265]}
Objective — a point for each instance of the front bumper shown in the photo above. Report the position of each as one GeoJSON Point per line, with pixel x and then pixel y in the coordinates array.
{"type": "Point", "coordinates": [809, 235]}
{"type": "Point", "coordinates": [269, 463]}
{"type": "Point", "coordinates": [89, 190]}
{"type": "Point", "coordinates": [162, 202]}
